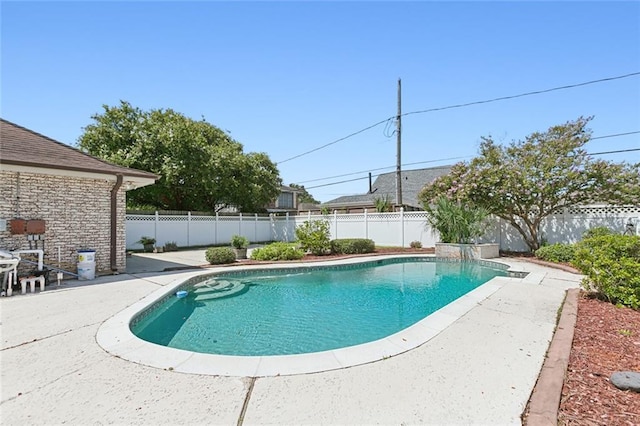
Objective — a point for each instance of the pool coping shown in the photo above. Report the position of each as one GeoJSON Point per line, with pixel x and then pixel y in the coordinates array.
{"type": "Point", "coordinates": [115, 336]}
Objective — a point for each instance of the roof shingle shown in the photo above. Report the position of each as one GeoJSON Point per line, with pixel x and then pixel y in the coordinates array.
{"type": "Point", "coordinates": [385, 186]}
{"type": "Point", "coordinates": [24, 147]}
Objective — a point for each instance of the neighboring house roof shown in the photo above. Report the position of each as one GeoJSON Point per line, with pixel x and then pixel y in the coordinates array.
{"type": "Point", "coordinates": [385, 186]}
{"type": "Point", "coordinates": [285, 188]}
{"type": "Point", "coordinates": [21, 147]}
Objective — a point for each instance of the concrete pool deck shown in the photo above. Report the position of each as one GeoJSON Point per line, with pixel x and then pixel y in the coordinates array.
{"type": "Point", "coordinates": [480, 369]}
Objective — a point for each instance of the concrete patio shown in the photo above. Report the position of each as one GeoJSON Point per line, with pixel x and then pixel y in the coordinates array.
{"type": "Point", "coordinates": [479, 370]}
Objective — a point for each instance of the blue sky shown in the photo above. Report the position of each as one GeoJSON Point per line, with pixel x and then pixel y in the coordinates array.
{"type": "Point", "coordinates": [287, 77]}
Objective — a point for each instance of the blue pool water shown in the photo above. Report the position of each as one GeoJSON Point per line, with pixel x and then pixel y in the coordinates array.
{"type": "Point", "coordinates": [300, 310]}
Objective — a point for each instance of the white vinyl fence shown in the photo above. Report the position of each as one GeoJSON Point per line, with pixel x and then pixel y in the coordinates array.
{"type": "Point", "coordinates": [386, 229]}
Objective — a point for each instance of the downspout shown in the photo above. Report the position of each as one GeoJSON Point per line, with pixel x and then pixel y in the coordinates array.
{"type": "Point", "coordinates": [114, 223]}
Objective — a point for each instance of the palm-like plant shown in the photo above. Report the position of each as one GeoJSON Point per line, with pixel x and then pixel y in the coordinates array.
{"type": "Point", "coordinates": [382, 204]}
{"type": "Point", "coordinates": [456, 222]}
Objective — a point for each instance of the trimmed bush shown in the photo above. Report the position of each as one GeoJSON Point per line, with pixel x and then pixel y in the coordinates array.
{"type": "Point", "coordinates": [314, 236]}
{"type": "Point", "coordinates": [277, 251]}
{"type": "Point", "coordinates": [239, 242]}
{"type": "Point", "coordinates": [220, 255]}
{"type": "Point", "coordinates": [558, 253]}
{"type": "Point", "coordinates": [352, 246]}
{"type": "Point", "coordinates": [598, 231]}
{"type": "Point", "coordinates": [170, 246]}
{"type": "Point", "coordinates": [611, 265]}
{"type": "Point", "coordinates": [415, 244]}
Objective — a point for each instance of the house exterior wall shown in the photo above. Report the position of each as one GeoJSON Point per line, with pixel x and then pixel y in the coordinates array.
{"type": "Point", "coordinates": [76, 212]}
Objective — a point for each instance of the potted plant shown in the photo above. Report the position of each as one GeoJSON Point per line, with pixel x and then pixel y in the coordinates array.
{"type": "Point", "coordinates": [147, 242]}
{"type": "Point", "coordinates": [240, 244]}
{"type": "Point", "coordinates": [459, 226]}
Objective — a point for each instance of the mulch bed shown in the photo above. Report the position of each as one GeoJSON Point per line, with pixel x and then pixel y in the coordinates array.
{"type": "Point", "coordinates": [606, 339]}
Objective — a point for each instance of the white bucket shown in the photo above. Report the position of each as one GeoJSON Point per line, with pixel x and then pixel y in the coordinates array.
{"type": "Point", "coordinates": [86, 256]}
{"type": "Point", "coordinates": [86, 270]}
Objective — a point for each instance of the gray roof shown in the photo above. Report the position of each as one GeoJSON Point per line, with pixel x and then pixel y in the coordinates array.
{"type": "Point", "coordinates": [385, 185]}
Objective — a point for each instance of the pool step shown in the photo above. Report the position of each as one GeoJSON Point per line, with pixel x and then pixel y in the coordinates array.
{"type": "Point", "coordinates": [215, 289]}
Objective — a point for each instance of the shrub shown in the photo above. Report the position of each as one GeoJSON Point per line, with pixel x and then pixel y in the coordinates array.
{"type": "Point", "coordinates": [415, 244]}
{"type": "Point", "coordinates": [277, 251]}
{"type": "Point", "coordinates": [558, 253]}
{"type": "Point", "coordinates": [598, 231]}
{"type": "Point", "coordinates": [170, 246]}
{"type": "Point", "coordinates": [611, 265]}
{"type": "Point", "coordinates": [313, 236]}
{"type": "Point", "coordinates": [239, 242]}
{"type": "Point", "coordinates": [352, 246]}
{"type": "Point", "coordinates": [455, 222]}
{"type": "Point", "coordinates": [220, 255]}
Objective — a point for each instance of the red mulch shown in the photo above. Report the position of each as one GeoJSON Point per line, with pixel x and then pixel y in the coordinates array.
{"type": "Point", "coordinates": [606, 339]}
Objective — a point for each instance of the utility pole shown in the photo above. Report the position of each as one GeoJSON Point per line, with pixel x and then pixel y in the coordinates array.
{"type": "Point", "coordinates": [399, 142]}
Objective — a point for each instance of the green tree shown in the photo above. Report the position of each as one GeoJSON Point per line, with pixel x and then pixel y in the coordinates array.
{"type": "Point", "coordinates": [200, 166]}
{"type": "Point", "coordinates": [526, 181]}
{"type": "Point", "coordinates": [303, 194]}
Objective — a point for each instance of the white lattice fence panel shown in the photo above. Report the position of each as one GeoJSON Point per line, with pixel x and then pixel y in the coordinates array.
{"type": "Point", "coordinates": [262, 230]}
{"type": "Point", "coordinates": [138, 226]}
{"type": "Point", "coordinates": [605, 211]}
{"type": "Point", "coordinates": [391, 229]}
{"type": "Point", "coordinates": [202, 230]}
{"type": "Point", "coordinates": [173, 228]}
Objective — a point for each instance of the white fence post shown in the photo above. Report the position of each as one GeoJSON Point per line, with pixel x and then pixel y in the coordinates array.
{"type": "Point", "coordinates": [335, 224]}
{"type": "Point", "coordinates": [188, 229]}
{"type": "Point", "coordinates": [240, 225]}
{"type": "Point", "coordinates": [287, 227]}
{"type": "Point", "coordinates": [255, 228]}
{"type": "Point", "coordinates": [272, 226]}
{"type": "Point", "coordinates": [155, 226]}
{"type": "Point", "coordinates": [402, 225]}
{"type": "Point", "coordinates": [366, 225]}
{"type": "Point", "coordinates": [215, 230]}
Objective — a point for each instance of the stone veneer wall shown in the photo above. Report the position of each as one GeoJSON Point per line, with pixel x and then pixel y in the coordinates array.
{"type": "Point", "coordinates": [76, 212]}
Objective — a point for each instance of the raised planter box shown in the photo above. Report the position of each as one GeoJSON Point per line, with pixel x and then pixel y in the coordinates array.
{"type": "Point", "coordinates": [467, 251]}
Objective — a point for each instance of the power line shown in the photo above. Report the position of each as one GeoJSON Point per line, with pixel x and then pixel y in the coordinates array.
{"type": "Point", "coordinates": [616, 135]}
{"type": "Point", "coordinates": [537, 92]}
{"type": "Point", "coordinates": [338, 183]}
{"type": "Point", "coordinates": [336, 141]}
{"type": "Point", "coordinates": [366, 177]}
{"type": "Point", "coordinates": [615, 152]}
{"type": "Point", "coordinates": [502, 98]}
{"type": "Point", "coordinates": [384, 168]}
{"type": "Point", "coordinates": [444, 159]}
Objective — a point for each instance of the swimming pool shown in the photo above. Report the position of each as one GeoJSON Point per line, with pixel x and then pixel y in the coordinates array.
{"type": "Point", "coordinates": [302, 310]}
{"type": "Point", "coordinates": [116, 337]}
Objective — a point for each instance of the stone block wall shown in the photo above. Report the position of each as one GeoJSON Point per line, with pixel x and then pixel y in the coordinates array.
{"type": "Point", "coordinates": [76, 212]}
{"type": "Point", "coordinates": [467, 251]}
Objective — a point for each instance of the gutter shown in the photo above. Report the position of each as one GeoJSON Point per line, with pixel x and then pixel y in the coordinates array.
{"type": "Point", "coordinates": [114, 223]}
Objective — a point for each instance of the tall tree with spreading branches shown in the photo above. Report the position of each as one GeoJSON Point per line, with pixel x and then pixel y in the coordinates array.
{"type": "Point", "coordinates": [303, 195]}
{"type": "Point", "coordinates": [526, 181]}
{"type": "Point", "coordinates": [201, 167]}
